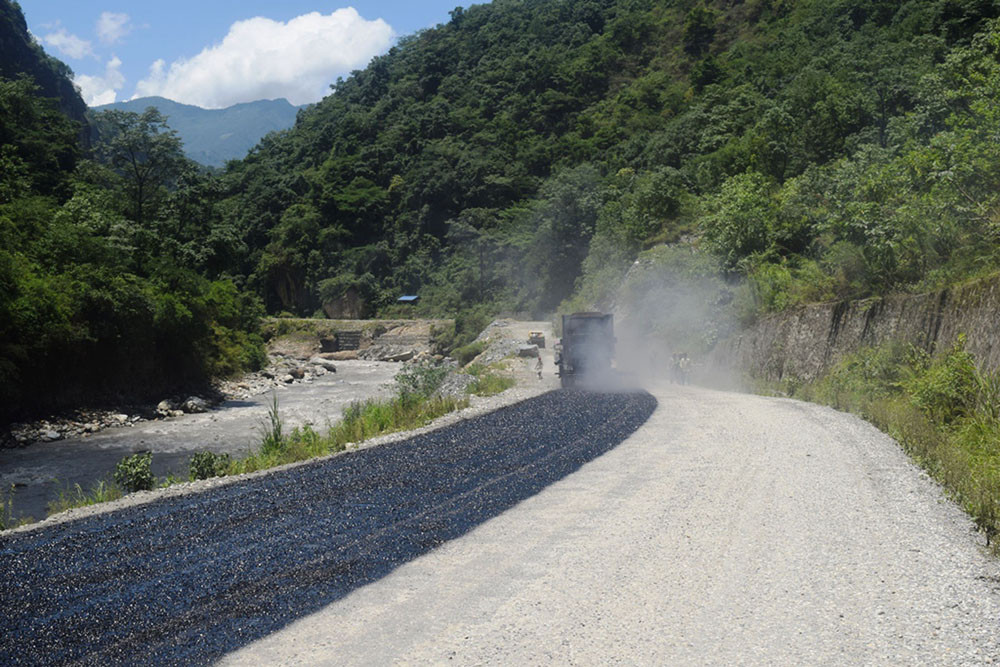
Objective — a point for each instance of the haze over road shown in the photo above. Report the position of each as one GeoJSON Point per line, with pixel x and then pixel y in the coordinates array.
{"type": "Point", "coordinates": [729, 529]}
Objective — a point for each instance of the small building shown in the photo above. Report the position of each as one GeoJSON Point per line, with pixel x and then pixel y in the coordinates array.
{"type": "Point", "coordinates": [413, 298]}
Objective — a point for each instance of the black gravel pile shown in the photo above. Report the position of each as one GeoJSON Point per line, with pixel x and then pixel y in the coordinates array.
{"type": "Point", "coordinates": [187, 579]}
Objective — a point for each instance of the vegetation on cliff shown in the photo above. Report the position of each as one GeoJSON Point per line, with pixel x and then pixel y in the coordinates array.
{"type": "Point", "coordinates": [522, 153]}
{"type": "Point", "coordinates": [527, 150]}
{"type": "Point", "coordinates": [106, 284]}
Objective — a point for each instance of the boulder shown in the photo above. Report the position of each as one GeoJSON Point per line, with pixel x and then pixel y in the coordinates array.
{"type": "Point", "coordinates": [51, 436]}
{"type": "Point", "coordinates": [165, 407]}
{"type": "Point", "coordinates": [287, 379]}
{"type": "Point", "coordinates": [195, 404]}
{"type": "Point", "coordinates": [402, 356]}
{"type": "Point", "coordinates": [527, 351]}
{"type": "Point", "coordinates": [298, 373]}
{"type": "Point", "coordinates": [345, 355]}
{"type": "Point", "coordinates": [324, 363]}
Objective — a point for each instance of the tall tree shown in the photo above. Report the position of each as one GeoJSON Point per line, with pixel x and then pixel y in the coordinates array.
{"type": "Point", "coordinates": [144, 152]}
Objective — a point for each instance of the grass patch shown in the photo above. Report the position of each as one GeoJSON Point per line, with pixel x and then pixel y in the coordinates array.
{"type": "Point", "coordinates": [7, 518]}
{"type": "Point", "coordinates": [467, 353]}
{"type": "Point", "coordinates": [488, 380]}
{"type": "Point", "coordinates": [943, 411]}
{"type": "Point", "coordinates": [362, 420]}
{"type": "Point", "coordinates": [76, 496]}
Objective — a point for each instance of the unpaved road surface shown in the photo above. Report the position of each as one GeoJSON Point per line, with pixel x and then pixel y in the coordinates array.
{"type": "Point", "coordinates": [726, 529]}
{"type": "Point", "coordinates": [39, 471]}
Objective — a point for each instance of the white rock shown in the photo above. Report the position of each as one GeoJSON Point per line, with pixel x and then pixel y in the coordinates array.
{"type": "Point", "coordinates": [195, 404]}
{"type": "Point", "coordinates": [325, 364]}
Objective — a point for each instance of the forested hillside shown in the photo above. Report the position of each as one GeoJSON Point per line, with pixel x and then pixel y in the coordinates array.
{"type": "Point", "coordinates": [20, 55]}
{"type": "Point", "coordinates": [103, 295]}
{"type": "Point", "coordinates": [519, 157]}
{"type": "Point", "coordinates": [529, 149]}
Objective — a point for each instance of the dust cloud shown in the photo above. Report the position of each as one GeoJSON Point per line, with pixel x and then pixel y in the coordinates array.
{"type": "Point", "coordinates": [673, 308]}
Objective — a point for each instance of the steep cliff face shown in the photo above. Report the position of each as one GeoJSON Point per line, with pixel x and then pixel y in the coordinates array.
{"type": "Point", "coordinates": [802, 343]}
{"type": "Point", "coordinates": [20, 54]}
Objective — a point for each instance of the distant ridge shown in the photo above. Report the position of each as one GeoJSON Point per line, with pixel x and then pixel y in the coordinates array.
{"type": "Point", "coordinates": [214, 136]}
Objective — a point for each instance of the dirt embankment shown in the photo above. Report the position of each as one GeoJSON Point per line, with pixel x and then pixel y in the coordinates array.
{"type": "Point", "coordinates": [378, 340]}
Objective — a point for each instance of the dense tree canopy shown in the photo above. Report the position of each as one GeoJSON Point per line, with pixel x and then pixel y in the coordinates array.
{"type": "Point", "coordinates": [517, 156]}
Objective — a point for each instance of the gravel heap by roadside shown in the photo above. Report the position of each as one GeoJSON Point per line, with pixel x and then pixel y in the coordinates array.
{"type": "Point", "coordinates": [500, 343]}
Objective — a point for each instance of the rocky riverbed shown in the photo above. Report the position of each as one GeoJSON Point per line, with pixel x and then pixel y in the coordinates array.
{"type": "Point", "coordinates": [283, 370]}
{"type": "Point", "coordinates": [229, 425]}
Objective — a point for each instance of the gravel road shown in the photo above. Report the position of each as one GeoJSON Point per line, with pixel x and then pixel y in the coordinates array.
{"type": "Point", "coordinates": [185, 579]}
{"type": "Point", "coordinates": [728, 530]}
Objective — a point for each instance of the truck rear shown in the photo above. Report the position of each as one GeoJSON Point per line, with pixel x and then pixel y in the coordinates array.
{"type": "Point", "coordinates": [587, 347]}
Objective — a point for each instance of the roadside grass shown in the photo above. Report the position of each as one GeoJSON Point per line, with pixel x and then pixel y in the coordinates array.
{"type": "Point", "coordinates": [944, 412]}
{"type": "Point", "coordinates": [7, 518]}
{"type": "Point", "coordinates": [467, 353]}
{"type": "Point", "coordinates": [414, 405]}
{"type": "Point", "coordinates": [488, 380]}
{"type": "Point", "coordinates": [75, 496]}
{"type": "Point", "coordinates": [361, 421]}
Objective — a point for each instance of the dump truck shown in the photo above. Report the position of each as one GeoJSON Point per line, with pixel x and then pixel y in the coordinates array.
{"type": "Point", "coordinates": [586, 348]}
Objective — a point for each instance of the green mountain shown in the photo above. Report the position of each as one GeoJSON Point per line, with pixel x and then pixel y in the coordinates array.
{"type": "Point", "coordinates": [214, 136]}
{"type": "Point", "coordinates": [103, 293]}
{"type": "Point", "coordinates": [521, 157]}
{"type": "Point", "coordinates": [527, 151]}
{"type": "Point", "coordinates": [21, 55]}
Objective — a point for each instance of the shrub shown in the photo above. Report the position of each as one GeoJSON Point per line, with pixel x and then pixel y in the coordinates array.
{"type": "Point", "coordinates": [467, 353]}
{"type": "Point", "coordinates": [421, 379]}
{"type": "Point", "coordinates": [205, 465]}
{"type": "Point", "coordinates": [7, 510]}
{"type": "Point", "coordinates": [950, 386]}
{"type": "Point", "coordinates": [133, 473]}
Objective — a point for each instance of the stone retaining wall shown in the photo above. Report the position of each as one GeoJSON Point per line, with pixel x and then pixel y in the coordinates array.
{"type": "Point", "coordinates": [804, 342]}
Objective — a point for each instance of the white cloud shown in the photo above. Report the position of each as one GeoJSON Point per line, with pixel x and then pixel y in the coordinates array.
{"type": "Point", "coordinates": [265, 59]}
{"type": "Point", "coordinates": [111, 27]}
{"type": "Point", "coordinates": [69, 44]}
{"type": "Point", "coordinates": [98, 90]}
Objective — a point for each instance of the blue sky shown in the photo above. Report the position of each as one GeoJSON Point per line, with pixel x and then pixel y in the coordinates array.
{"type": "Point", "coordinates": [215, 53]}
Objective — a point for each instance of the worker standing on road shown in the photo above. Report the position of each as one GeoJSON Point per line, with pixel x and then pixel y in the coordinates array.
{"type": "Point", "coordinates": [538, 366]}
{"type": "Point", "coordinates": [684, 366]}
